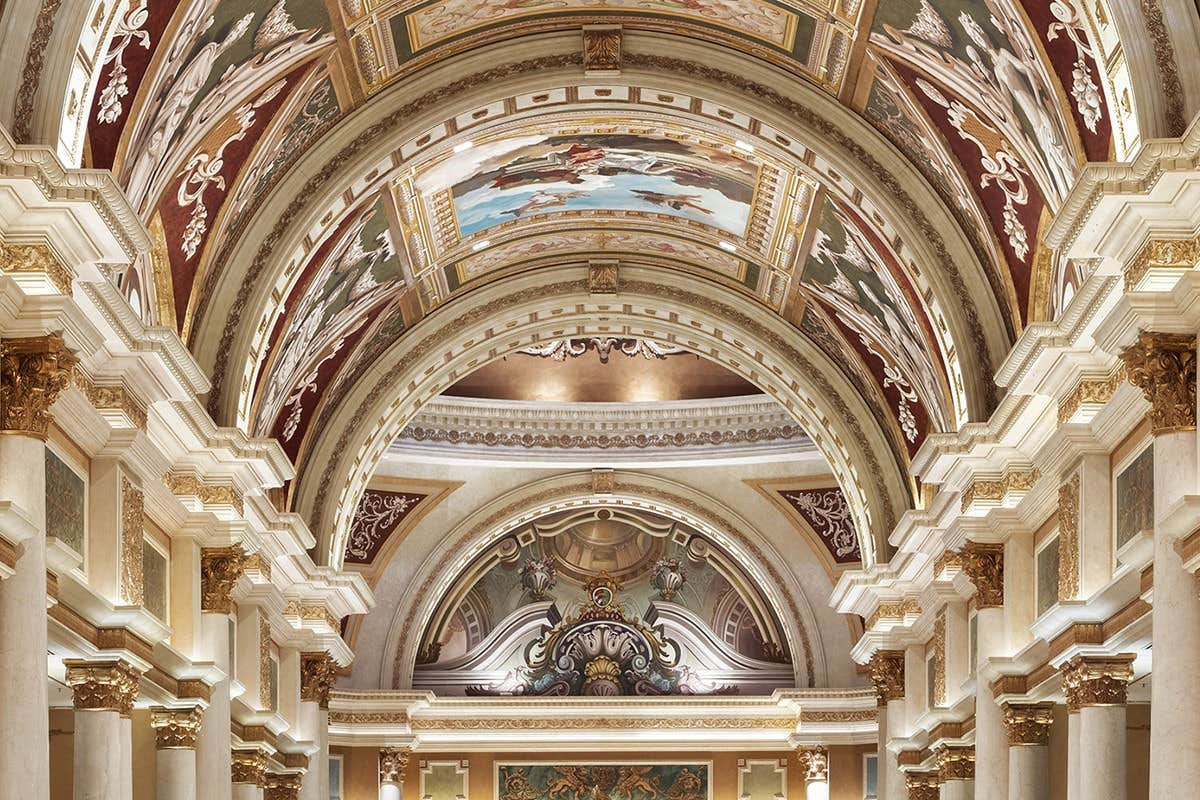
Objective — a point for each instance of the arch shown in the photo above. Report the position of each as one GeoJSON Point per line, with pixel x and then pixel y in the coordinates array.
{"type": "Point", "coordinates": [484, 527]}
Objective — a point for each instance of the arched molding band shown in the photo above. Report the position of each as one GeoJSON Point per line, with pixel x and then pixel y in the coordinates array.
{"type": "Point", "coordinates": [500, 318]}
{"type": "Point", "coordinates": [486, 526]}
{"type": "Point", "coordinates": [357, 150]}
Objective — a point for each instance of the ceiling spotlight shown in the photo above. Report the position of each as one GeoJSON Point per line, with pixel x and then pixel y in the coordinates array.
{"type": "Point", "coordinates": [740, 145]}
{"type": "Point", "coordinates": [480, 245]}
{"type": "Point", "coordinates": [463, 147]}
{"type": "Point", "coordinates": [724, 245]}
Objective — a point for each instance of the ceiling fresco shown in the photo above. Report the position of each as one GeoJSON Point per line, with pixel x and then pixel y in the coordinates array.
{"type": "Point", "coordinates": [202, 108]}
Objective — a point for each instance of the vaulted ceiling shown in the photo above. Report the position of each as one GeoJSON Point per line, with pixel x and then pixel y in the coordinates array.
{"type": "Point", "coordinates": [845, 197]}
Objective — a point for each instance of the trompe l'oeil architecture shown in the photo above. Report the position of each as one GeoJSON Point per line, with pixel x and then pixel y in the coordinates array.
{"type": "Point", "coordinates": [599, 399]}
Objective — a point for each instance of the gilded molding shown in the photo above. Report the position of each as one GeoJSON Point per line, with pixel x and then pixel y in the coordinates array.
{"type": "Point", "coordinates": [1180, 254]}
{"type": "Point", "coordinates": [1163, 366]}
{"type": "Point", "coordinates": [264, 663]}
{"type": "Point", "coordinates": [858, 715]}
{"type": "Point", "coordinates": [392, 763]}
{"type": "Point", "coordinates": [35, 258]}
{"type": "Point", "coordinates": [33, 373]}
{"type": "Point", "coordinates": [602, 48]}
{"type": "Point", "coordinates": [176, 728]}
{"type": "Point", "coordinates": [984, 565]}
{"type": "Point", "coordinates": [887, 675]}
{"type": "Point", "coordinates": [1091, 391]}
{"type": "Point", "coordinates": [1097, 681]}
{"type": "Point", "coordinates": [1028, 724]}
{"type": "Point", "coordinates": [951, 559]}
{"type": "Point", "coordinates": [605, 723]}
{"type": "Point", "coordinates": [250, 766]}
{"type": "Point", "coordinates": [281, 787]}
{"type": "Point", "coordinates": [187, 485]}
{"type": "Point", "coordinates": [896, 611]}
{"type": "Point", "coordinates": [996, 489]}
{"type": "Point", "coordinates": [955, 763]}
{"type": "Point", "coordinates": [102, 685]}
{"type": "Point", "coordinates": [318, 671]}
{"type": "Point", "coordinates": [938, 643]}
{"type": "Point", "coordinates": [133, 518]}
{"type": "Point", "coordinates": [1068, 539]}
{"type": "Point", "coordinates": [256, 563]}
{"type": "Point", "coordinates": [220, 567]}
{"type": "Point", "coordinates": [922, 785]}
{"type": "Point", "coordinates": [814, 763]}
{"type": "Point", "coordinates": [604, 277]}
{"type": "Point", "coordinates": [111, 397]}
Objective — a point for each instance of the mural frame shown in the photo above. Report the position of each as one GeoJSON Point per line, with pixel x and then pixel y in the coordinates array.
{"type": "Point", "coordinates": [706, 764]}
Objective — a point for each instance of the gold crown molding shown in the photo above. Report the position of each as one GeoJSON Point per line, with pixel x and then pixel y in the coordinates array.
{"type": "Point", "coordinates": [1097, 681]}
{"type": "Point", "coordinates": [955, 763]}
{"type": "Point", "coordinates": [220, 567]}
{"type": "Point", "coordinates": [249, 766]}
{"type": "Point", "coordinates": [33, 373]}
{"type": "Point", "coordinates": [1157, 254]}
{"type": "Point", "coordinates": [116, 397]}
{"type": "Point", "coordinates": [312, 613]}
{"type": "Point", "coordinates": [922, 785]}
{"type": "Point", "coordinates": [27, 258]}
{"type": "Point", "coordinates": [1028, 724]}
{"type": "Point", "coordinates": [1068, 539]}
{"type": "Point", "coordinates": [997, 489]}
{"type": "Point", "coordinates": [984, 565]}
{"type": "Point", "coordinates": [894, 611]}
{"type": "Point", "coordinates": [256, 563]}
{"type": "Point", "coordinates": [571, 723]}
{"type": "Point", "coordinates": [857, 715]}
{"type": "Point", "coordinates": [368, 718]}
{"type": "Point", "coordinates": [951, 559]}
{"type": "Point", "coordinates": [318, 671]}
{"type": "Point", "coordinates": [133, 520]}
{"type": "Point", "coordinates": [1163, 366]}
{"type": "Point", "coordinates": [102, 685]}
{"type": "Point", "coordinates": [176, 728]}
{"type": "Point", "coordinates": [887, 675]}
{"type": "Point", "coordinates": [814, 763]}
{"type": "Point", "coordinates": [392, 763]}
{"type": "Point", "coordinates": [1091, 391]}
{"type": "Point", "coordinates": [185, 484]}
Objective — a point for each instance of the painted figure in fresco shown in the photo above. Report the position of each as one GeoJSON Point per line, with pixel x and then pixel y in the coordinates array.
{"type": "Point", "coordinates": [675, 201]}
{"type": "Point", "coordinates": [542, 201]}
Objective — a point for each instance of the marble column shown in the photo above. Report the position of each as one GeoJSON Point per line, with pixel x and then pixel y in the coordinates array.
{"type": "Point", "coordinates": [219, 570]}
{"type": "Point", "coordinates": [887, 674]}
{"type": "Point", "coordinates": [814, 766]}
{"type": "Point", "coordinates": [33, 372]}
{"type": "Point", "coordinates": [392, 763]}
{"type": "Point", "coordinates": [1163, 366]}
{"type": "Point", "coordinates": [175, 732]}
{"type": "Point", "coordinates": [1072, 753]}
{"type": "Point", "coordinates": [956, 772]}
{"type": "Point", "coordinates": [317, 674]}
{"type": "Point", "coordinates": [1098, 687]}
{"type": "Point", "coordinates": [103, 691]}
{"type": "Point", "coordinates": [922, 785]}
{"type": "Point", "coordinates": [283, 787]}
{"type": "Point", "coordinates": [984, 564]}
{"type": "Point", "coordinates": [248, 774]}
{"type": "Point", "coordinates": [1028, 728]}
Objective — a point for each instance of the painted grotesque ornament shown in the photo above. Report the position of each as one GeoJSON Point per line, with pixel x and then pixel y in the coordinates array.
{"type": "Point", "coordinates": [669, 577]}
{"type": "Point", "coordinates": [538, 577]}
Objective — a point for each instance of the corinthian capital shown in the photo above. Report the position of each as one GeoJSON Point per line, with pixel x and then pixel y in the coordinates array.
{"type": "Point", "coordinates": [814, 763]}
{"type": "Point", "coordinates": [984, 565]}
{"type": "Point", "coordinates": [176, 728]}
{"type": "Point", "coordinates": [1028, 724]}
{"type": "Point", "coordinates": [1163, 366]}
{"type": "Point", "coordinates": [1097, 681]}
{"type": "Point", "coordinates": [887, 673]}
{"type": "Point", "coordinates": [220, 567]}
{"type": "Point", "coordinates": [392, 763]}
{"type": "Point", "coordinates": [318, 671]}
{"type": "Point", "coordinates": [102, 685]}
{"type": "Point", "coordinates": [33, 372]}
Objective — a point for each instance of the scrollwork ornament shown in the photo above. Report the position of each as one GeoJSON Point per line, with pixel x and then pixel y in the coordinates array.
{"type": "Point", "coordinates": [220, 567]}
{"type": "Point", "coordinates": [984, 565]}
{"type": "Point", "coordinates": [392, 763]}
{"type": "Point", "coordinates": [814, 763]}
{"type": "Point", "coordinates": [33, 372]}
{"type": "Point", "coordinates": [887, 674]}
{"type": "Point", "coordinates": [1028, 724]}
{"type": "Point", "coordinates": [318, 671]}
{"type": "Point", "coordinates": [1163, 366]}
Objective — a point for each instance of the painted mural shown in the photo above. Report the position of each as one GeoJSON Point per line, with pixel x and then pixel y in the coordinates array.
{"type": "Point", "coordinates": [527, 176]}
{"type": "Point", "coordinates": [378, 516]}
{"type": "Point", "coordinates": [1135, 497]}
{"type": "Point", "coordinates": [603, 781]}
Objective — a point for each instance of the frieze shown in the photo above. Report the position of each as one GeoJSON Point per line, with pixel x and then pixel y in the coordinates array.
{"type": "Point", "coordinates": [35, 258]}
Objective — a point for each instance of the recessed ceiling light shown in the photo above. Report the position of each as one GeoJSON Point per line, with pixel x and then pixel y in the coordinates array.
{"type": "Point", "coordinates": [462, 147]}
{"type": "Point", "coordinates": [724, 245]}
{"type": "Point", "coordinates": [740, 145]}
{"type": "Point", "coordinates": [480, 245]}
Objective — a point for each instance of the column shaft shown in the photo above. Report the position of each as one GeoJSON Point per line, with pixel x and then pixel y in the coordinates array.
{"type": "Point", "coordinates": [889, 763]}
{"type": "Point", "coordinates": [958, 790]}
{"type": "Point", "coordinates": [1073, 756]}
{"type": "Point", "coordinates": [96, 768]}
{"type": "Point", "coordinates": [389, 791]}
{"type": "Point", "coordinates": [318, 762]}
{"type": "Point", "coordinates": [991, 742]}
{"type": "Point", "coordinates": [125, 730]}
{"type": "Point", "coordinates": [1102, 753]}
{"type": "Point", "coordinates": [175, 777]}
{"type": "Point", "coordinates": [1029, 772]}
{"type": "Point", "coordinates": [247, 791]}
{"type": "Point", "coordinates": [213, 763]}
{"type": "Point", "coordinates": [25, 720]}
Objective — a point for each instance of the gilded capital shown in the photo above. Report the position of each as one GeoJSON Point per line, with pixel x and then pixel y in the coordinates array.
{"type": "Point", "coordinates": [887, 674]}
{"type": "Point", "coordinates": [1163, 366]}
{"type": "Point", "coordinates": [220, 567]}
{"type": "Point", "coordinates": [392, 763]}
{"type": "Point", "coordinates": [922, 785]}
{"type": "Point", "coordinates": [176, 728]}
{"type": "Point", "coordinates": [814, 763]}
{"type": "Point", "coordinates": [282, 787]}
{"type": "Point", "coordinates": [1028, 724]}
{"type": "Point", "coordinates": [102, 685]}
{"type": "Point", "coordinates": [984, 565]}
{"type": "Point", "coordinates": [250, 766]}
{"type": "Point", "coordinates": [318, 671]}
{"type": "Point", "coordinates": [33, 373]}
{"type": "Point", "coordinates": [1097, 680]}
{"type": "Point", "coordinates": [955, 763]}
